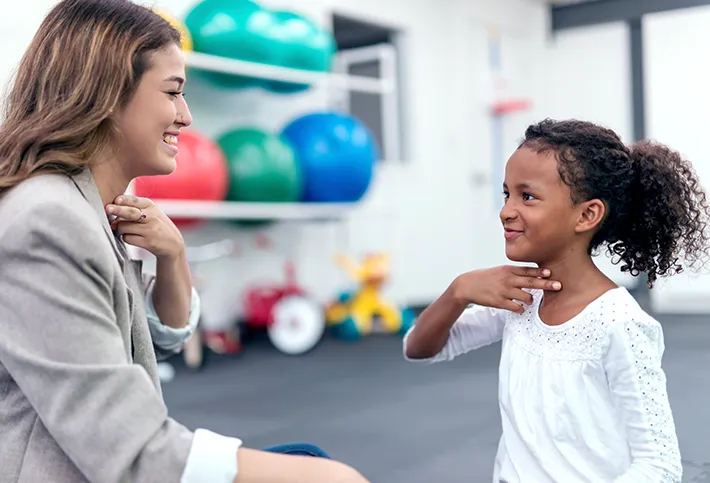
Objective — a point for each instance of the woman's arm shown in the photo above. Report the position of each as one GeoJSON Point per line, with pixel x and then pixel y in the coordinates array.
{"type": "Point", "coordinates": [263, 467]}
{"type": "Point", "coordinates": [62, 345]}
{"type": "Point", "coordinates": [168, 341]}
{"type": "Point", "coordinates": [638, 388]}
{"type": "Point", "coordinates": [172, 290]}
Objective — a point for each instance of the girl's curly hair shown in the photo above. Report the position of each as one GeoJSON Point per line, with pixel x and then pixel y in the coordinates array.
{"type": "Point", "coordinates": [656, 209]}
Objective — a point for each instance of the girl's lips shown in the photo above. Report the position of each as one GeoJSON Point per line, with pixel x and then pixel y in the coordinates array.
{"type": "Point", "coordinates": [512, 234]}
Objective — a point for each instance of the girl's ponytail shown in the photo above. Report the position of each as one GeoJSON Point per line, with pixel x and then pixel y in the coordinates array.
{"type": "Point", "coordinates": [666, 217]}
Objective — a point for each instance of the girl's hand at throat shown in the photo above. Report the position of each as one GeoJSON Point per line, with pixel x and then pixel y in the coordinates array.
{"type": "Point", "coordinates": [502, 287]}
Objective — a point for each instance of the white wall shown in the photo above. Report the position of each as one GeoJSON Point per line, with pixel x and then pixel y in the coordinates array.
{"type": "Point", "coordinates": [428, 212]}
{"type": "Point", "coordinates": [677, 73]}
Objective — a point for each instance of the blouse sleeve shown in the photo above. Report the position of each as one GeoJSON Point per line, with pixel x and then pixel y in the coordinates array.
{"type": "Point", "coordinates": [168, 341]}
{"type": "Point", "coordinates": [476, 327]}
{"type": "Point", "coordinates": [638, 387]}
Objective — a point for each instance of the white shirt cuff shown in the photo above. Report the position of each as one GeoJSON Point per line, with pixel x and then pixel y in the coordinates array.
{"type": "Point", "coordinates": [170, 338]}
{"type": "Point", "coordinates": [212, 458]}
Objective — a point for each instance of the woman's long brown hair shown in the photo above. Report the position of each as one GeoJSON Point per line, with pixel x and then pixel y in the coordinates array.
{"type": "Point", "coordinates": [82, 66]}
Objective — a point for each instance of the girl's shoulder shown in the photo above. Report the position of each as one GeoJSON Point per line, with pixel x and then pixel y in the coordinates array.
{"type": "Point", "coordinates": [584, 337]}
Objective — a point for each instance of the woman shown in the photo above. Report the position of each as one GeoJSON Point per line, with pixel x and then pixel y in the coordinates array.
{"type": "Point", "coordinates": [97, 102]}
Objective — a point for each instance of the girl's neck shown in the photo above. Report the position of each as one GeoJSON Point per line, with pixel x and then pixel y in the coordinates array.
{"type": "Point", "coordinates": [579, 276]}
{"type": "Point", "coordinates": [582, 283]}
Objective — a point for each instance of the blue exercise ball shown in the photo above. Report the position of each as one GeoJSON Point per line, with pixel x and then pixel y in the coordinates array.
{"type": "Point", "coordinates": [337, 154]}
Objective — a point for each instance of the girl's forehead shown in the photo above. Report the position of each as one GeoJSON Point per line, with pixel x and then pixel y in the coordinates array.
{"type": "Point", "coordinates": [530, 168]}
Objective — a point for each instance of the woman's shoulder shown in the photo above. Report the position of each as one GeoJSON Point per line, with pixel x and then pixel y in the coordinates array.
{"type": "Point", "coordinates": [46, 203]}
{"type": "Point", "coordinates": [48, 191]}
{"type": "Point", "coordinates": [41, 188]}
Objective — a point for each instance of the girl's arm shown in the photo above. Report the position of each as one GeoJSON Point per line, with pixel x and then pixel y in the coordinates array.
{"type": "Point", "coordinates": [447, 328]}
{"type": "Point", "coordinates": [638, 388]}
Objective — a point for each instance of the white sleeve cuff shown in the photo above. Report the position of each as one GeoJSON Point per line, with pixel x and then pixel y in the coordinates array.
{"type": "Point", "coordinates": [170, 338]}
{"type": "Point", "coordinates": [212, 458]}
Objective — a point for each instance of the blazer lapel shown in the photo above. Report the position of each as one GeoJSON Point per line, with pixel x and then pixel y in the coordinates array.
{"type": "Point", "coordinates": [84, 181]}
{"type": "Point", "coordinates": [143, 351]}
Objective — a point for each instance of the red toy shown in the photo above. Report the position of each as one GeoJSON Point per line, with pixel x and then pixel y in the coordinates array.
{"type": "Point", "coordinates": [201, 174]}
{"type": "Point", "coordinates": [294, 323]}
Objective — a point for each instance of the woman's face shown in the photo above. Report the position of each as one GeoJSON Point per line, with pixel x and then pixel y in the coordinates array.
{"type": "Point", "coordinates": [151, 122]}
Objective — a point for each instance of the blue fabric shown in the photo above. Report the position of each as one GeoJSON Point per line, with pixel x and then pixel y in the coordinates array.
{"type": "Point", "coordinates": [304, 449]}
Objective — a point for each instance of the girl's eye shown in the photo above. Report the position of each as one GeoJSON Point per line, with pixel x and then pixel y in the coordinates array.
{"type": "Point", "coordinates": [175, 94]}
{"type": "Point", "coordinates": [528, 197]}
{"type": "Point", "coordinates": [506, 195]}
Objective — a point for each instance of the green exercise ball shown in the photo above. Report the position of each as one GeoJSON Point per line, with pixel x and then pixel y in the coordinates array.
{"type": "Point", "coordinates": [300, 44]}
{"type": "Point", "coordinates": [236, 29]}
{"type": "Point", "coordinates": [262, 167]}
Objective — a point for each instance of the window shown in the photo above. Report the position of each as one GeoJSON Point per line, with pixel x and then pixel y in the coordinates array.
{"type": "Point", "coordinates": [370, 50]}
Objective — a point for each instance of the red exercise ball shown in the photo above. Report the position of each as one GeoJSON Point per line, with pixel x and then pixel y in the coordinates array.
{"type": "Point", "coordinates": [201, 174]}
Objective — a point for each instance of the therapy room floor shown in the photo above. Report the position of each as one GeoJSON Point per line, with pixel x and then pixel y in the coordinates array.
{"type": "Point", "coordinates": [399, 422]}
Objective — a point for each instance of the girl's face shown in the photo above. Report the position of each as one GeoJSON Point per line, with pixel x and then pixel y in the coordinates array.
{"type": "Point", "coordinates": [542, 224]}
{"type": "Point", "coordinates": [152, 120]}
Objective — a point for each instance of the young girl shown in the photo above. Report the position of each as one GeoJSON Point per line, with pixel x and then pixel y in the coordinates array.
{"type": "Point", "coordinates": [582, 393]}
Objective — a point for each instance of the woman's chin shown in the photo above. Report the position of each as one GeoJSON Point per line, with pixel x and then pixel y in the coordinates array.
{"type": "Point", "coordinates": [162, 166]}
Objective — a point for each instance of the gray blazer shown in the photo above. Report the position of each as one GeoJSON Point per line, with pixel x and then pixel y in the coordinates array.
{"type": "Point", "coordinates": [80, 400]}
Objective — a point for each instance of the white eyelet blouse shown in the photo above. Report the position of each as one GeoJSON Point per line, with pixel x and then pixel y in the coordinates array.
{"type": "Point", "coordinates": [584, 401]}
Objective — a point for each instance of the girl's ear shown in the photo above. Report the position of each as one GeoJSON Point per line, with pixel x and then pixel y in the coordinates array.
{"type": "Point", "coordinates": [591, 215]}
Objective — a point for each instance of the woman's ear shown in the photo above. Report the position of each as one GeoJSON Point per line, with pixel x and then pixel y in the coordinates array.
{"type": "Point", "coordinates": [591, 215]}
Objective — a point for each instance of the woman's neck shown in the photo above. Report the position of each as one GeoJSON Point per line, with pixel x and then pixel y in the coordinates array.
{"type": "Point", "coordinates": [110, 181]}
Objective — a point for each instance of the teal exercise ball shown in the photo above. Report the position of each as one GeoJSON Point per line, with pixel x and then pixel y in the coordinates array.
{"type": "Point", "coordinates": [299, 44]}
{"type": "Point", "coordinates": [408, 320]}
{"type": "Point", "coordinates": [235, 29]}
{"type": "Point", "coordinates": [348, 331]}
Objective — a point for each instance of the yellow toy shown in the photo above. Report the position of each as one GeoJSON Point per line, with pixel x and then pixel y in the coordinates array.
{"type": "Point", "coordinates": [354, 313]}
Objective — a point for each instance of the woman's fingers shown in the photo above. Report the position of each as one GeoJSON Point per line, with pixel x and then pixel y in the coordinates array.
{"type": "Point", "coordinates": [126, 213]}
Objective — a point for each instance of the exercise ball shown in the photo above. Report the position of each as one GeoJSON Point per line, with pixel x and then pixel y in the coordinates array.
{"type": "Point", "coordinates": [336, 153]}
{"type": "Point", "coordinates": [179, 25]}
{"type": "Point", "coordinates": [347, 330]}
{"type": "Point", "coordinates": [300, 44]}
{"type": "Point", "coordinates": [235, 29]}
{"type": "Point", "coordinates": [201, 174]}
{"type": "Point", "coordinates": [262, 167]}
{"type": "Point", "coordinates": [409, 317]}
